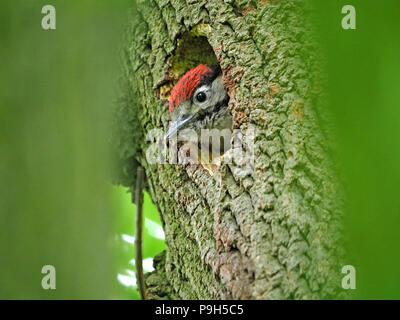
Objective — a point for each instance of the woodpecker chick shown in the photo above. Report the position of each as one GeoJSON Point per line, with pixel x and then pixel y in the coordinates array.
{"type": "Point", "coordinates": [199, 102]}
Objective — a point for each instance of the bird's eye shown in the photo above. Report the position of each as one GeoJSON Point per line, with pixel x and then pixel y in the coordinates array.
{"type": "Point", "coordinates": [201, 97]}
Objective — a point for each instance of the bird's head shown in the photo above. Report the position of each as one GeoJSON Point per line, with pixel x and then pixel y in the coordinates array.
{"type": "Point", "coordinates": [198, 96]}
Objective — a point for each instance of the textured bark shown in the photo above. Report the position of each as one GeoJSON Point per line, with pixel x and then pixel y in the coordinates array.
{"type": "Point", "coordinates": [269, 233]}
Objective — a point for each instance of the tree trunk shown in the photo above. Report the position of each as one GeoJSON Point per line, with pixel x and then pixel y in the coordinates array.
{"type": "Point", "coordinates": [271, 232]}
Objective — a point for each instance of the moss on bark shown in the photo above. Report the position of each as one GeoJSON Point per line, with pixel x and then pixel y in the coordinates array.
{"type": "Point", "coordinates": [269, 233]}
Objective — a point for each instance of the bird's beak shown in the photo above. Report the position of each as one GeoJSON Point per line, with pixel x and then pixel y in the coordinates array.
{"type": "Point", "coordinates": [177, 125]}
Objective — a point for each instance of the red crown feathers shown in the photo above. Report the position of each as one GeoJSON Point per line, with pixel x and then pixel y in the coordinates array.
{"type": "Point", "coordinates": [187, 83]}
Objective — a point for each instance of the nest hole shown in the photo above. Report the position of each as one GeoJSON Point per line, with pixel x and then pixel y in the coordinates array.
{"type": "Point", "coordinates": [192, 50]}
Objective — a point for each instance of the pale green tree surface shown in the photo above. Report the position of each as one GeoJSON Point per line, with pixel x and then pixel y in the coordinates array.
{"type": "Point", "coordinates": [273, 232]}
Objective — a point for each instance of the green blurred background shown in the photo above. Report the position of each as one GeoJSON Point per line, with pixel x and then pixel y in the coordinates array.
{"type": "Point", "coordinates": [58, 207]}
{"type": "Point", "coordinates": [363, 81]}
{"type": "Point", "coordinates": [57, 89]}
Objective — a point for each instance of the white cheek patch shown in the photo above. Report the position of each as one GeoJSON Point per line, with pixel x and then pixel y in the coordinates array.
{"type": "Point", "coordinates": [218, 91]}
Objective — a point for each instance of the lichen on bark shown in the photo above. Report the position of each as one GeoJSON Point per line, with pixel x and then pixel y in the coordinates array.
{"type": "Point", "coordinates": [269, 233]}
